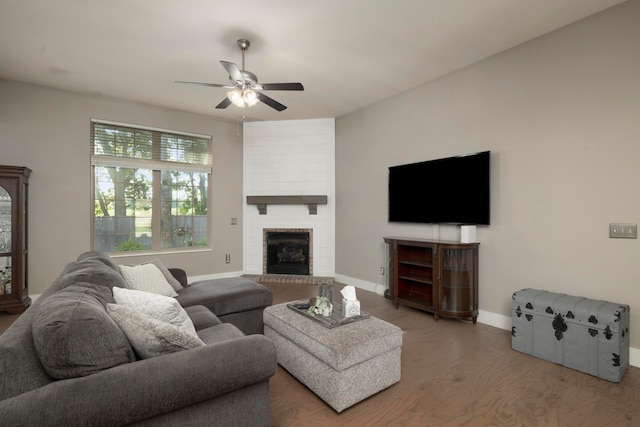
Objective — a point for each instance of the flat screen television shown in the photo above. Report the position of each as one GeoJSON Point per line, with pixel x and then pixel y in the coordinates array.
{"type": "Point", "coordinates": [453, 190]}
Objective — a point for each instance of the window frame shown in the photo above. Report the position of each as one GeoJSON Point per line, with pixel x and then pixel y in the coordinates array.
{"type": "Point", "coordinates": [156, 166]}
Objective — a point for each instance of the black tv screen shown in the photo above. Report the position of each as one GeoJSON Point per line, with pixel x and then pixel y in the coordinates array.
{"type": "Point", "coordinates": [454, 190]}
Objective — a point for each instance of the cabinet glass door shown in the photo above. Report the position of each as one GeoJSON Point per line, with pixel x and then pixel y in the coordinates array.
{"type": "Point", "coordinates": [457, 280]}
{"type": "Point", "coordinates": [5, 242]}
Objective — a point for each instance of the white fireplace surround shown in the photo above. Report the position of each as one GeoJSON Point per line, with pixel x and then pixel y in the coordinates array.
{"type": "Point", "coordinates": [286, 158]}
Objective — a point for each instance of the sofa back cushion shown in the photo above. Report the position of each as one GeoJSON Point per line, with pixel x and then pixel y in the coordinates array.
{"type": "Point", "coordinates": [90, 271]}
{"type": "Point", "coordinates": [101, 257]}
{"type": "Point", "coordinates": [74, 336]}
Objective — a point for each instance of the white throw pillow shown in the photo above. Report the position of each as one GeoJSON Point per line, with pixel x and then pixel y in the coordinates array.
{"type": "Point", "coordinates": [151, 337]}
{"type": "Point", "coordinates": [157, 306]}
{"type": "Point", "coordinates": [148, 278]}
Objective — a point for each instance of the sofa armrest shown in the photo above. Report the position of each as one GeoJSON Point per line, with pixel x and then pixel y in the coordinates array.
{"type": "Point", "coordinates": [147, 388]}
{"type": "Point", "coordinates": [180, 275]}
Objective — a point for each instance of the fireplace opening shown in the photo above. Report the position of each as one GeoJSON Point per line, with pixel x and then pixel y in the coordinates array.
{"type": "Point", "coordinates": [287, 252]}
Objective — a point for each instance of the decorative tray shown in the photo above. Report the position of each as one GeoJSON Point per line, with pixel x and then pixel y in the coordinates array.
{"type": "Point", "coordinates": [336, 319]}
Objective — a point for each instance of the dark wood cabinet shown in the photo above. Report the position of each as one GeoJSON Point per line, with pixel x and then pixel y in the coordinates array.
{"type": "Point", "coordinates": [436, 276]}
{"type": "Point", "coordinates": [14, 183]}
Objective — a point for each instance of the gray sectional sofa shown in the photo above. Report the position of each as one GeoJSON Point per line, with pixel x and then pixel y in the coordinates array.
{"type": "Point", "coordinates": [99, 380]}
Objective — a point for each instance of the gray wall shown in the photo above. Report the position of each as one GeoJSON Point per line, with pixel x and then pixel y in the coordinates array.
{"type": "Point", "coordinates": [561, 115]}
{"type": "Point", "coordinates": [48, 131]}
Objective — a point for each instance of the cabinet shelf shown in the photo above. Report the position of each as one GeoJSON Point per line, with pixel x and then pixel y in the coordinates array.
{"type": "Point", "coordinates": [416, 279]}
{"type": "Point", "coordinates": [416, 264]}
{"type": "Point", "coordinates": [436, 276]}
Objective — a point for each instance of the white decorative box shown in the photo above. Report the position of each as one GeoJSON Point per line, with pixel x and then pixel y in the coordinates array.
{"type": "Point", "coordinates": [350, 308]}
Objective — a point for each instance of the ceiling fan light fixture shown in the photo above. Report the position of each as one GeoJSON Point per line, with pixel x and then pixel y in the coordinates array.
{"type": "Point", "coordinates": [242, 98]}
{"type": "Point", "coordinates": [236, 98]}
{"type": "Point", "coordinates": [250, 98]}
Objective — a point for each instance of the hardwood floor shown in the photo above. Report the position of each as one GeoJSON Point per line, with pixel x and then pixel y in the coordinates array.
{"type": "Point", "coordinates": [455, 373]}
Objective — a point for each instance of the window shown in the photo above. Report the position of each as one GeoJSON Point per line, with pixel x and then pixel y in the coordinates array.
{"type": "Point", "coordinates": [150, 188]}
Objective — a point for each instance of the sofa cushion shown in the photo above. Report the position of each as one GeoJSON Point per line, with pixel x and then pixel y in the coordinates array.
{"type": "Point", "coordinates": [201, 316]}
{"type": "Point", "coordinates": [160, 307]}
{"type": "Point", "coordinates": [151, 337]}
{"type": "Point", "coordinates": [74, 336]}
{"type": "Point", "coordinates": [148, 278]}
{"type": "Point", "coordinates": [227, 295]}
{"type": "Point", "coordinates": [219, 333]}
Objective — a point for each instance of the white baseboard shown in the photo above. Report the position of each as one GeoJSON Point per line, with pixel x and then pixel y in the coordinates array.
{"type": "Point", "coordinates": [485, 317]}
{"type": "Point", "coordinates": [362, 284]}
{"type": "Point", "coordinates": [634, 357]}
{"type": "Point", "coordinates": [495, 320]}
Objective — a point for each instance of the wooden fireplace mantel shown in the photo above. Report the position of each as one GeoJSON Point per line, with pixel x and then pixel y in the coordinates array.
{"type": "Point", "coordinates": [311, 201]}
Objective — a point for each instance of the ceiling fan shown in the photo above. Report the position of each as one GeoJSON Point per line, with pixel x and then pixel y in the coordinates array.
{"type": "Point", "coordinates": [246, 91]}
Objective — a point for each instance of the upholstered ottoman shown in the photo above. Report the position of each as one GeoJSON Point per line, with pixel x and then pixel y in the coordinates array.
{"type": "Point", "coordinates": [343, 365]}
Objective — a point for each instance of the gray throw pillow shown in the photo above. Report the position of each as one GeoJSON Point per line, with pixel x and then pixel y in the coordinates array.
{"type": "Point", "coordinates": [151, 337]}
{"type": "Point", "coordinates": [148, 278]}
{"type": "Point", "coordinates": [74, 336]}
{"type": "Point", "coordinates": [157, 306]}
{"type": "Point", "coordinates": [175, 284]}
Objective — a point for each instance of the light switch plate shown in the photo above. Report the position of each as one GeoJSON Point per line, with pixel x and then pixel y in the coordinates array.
{"type": "Point", "coordinates": [623, 231]}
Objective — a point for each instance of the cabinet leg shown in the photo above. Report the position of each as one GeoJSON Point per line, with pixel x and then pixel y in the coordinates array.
{"type": "Point", "coordinates": [397, 304]}
{"type": "Point", "coordinates": [436, 316]}
{"type": "Point", "coordinates": [474, 318]}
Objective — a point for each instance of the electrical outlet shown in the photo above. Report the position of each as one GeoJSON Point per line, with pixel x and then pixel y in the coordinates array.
{"type": "Point", "coordinates": [227, 258]}
{"type": "Point", "coordinates": [382, 271]}
{"type": "Point", "coordinates": [623, 231]}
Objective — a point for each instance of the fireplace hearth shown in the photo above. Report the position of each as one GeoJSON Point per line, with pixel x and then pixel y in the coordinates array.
{"type": "Point", "coordinates": [287, 252]}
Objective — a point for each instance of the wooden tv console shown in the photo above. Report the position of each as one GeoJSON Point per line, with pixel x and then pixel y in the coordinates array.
{"type": "Point", "coordinates": [440, 277]}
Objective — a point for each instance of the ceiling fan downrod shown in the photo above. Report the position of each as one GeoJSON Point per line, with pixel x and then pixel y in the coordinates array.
{"type": "Point", "coordinates": [243, 44]}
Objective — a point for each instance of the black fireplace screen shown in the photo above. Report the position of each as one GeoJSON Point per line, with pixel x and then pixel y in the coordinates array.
{"type": "Point", "coordinates": [288, 253]}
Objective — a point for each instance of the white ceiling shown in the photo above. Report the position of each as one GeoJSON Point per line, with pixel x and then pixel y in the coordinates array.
{"type": "Point", "coordinates": [347, 53]}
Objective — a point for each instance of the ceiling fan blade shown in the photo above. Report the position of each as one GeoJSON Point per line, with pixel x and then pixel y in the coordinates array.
{"type": "Point", "coordinates": [203, 84]}
{"type": "Point", "coordinates": [282, 86]}
{"type": "Point", "coordinates": [224, 103]}
{"type": "Point", "coordinates": [270, 102]}
{"type": "Point", "coordinates": [233, 70]}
